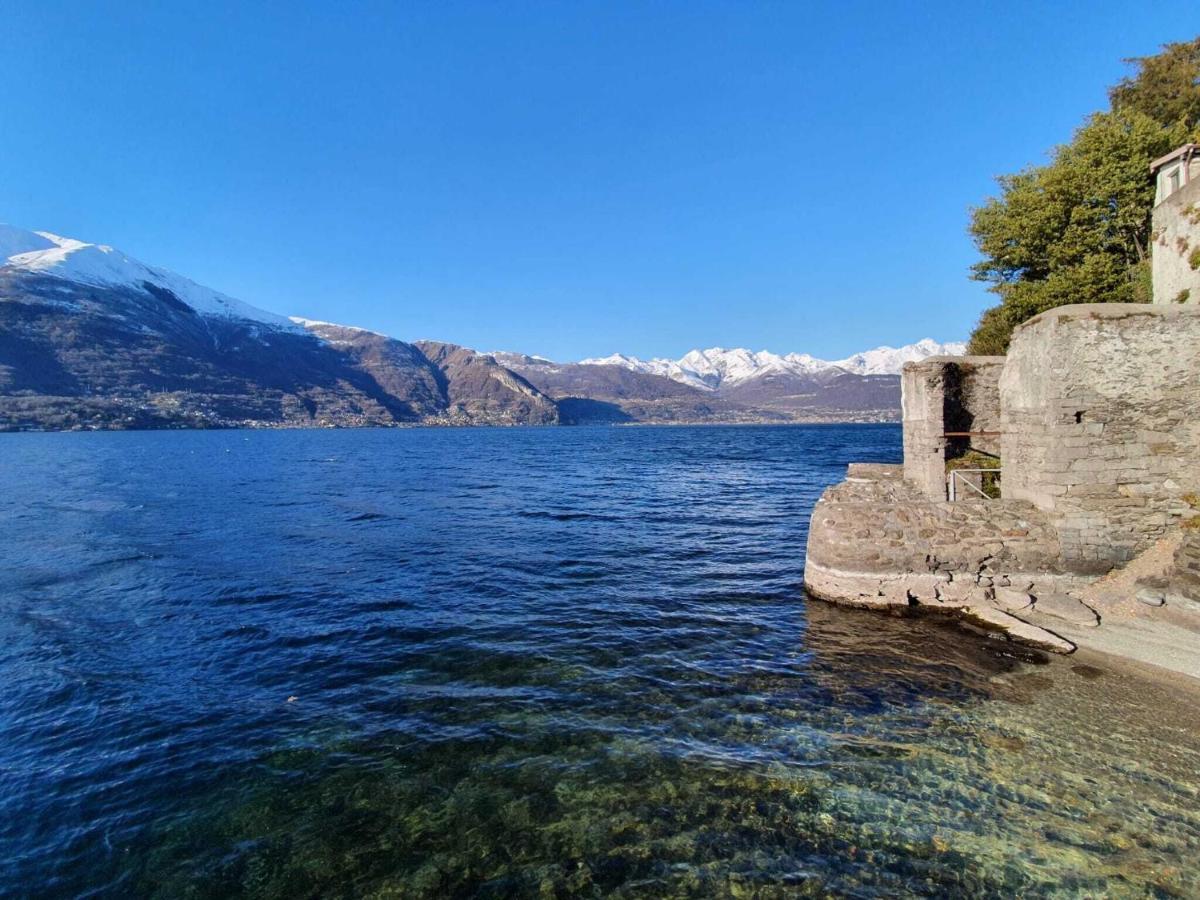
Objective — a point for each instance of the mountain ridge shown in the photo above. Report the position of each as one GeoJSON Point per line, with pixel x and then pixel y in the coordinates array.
{"type": "Point", "coordinates": [93, 338]}
{"type": "Point", "coordinates": [714, 367]}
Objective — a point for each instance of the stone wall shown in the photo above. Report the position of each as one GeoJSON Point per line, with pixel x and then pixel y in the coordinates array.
{"type": "Point", "coordinates": [921, 398]}
{"type": "Point", "coordinates": [876, 541]}
{"type": "Point", "coordinates": [876, 523]}
{"type": "Point", "coordinates": [1175, 246]}
{"type": "Point", "coordinates": [947, 394]}
{"type": "Point", "coordinates": [1101, 420]}
{"type": "Point", "coordinates": [1187, 558]}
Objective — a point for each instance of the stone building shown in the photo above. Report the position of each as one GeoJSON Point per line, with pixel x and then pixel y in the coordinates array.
{"type": "Point", "coordinates": [1092, 422]}
{"type": "Point", "coordinates": [951, 406]}
{"type": "Point", "coordinates": [1100, 421]}
{"type": "Point", "coordinates": [1175, 226]}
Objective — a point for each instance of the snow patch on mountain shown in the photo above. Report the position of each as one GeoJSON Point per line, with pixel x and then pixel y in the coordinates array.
{"type": "Point", "coordinates": [890, 360]}
{"type": "Point", "coordinates": [664, 367]}
{"type": "Point", "coordinates": [718, 367]}
{"type": "Point", "coordinates": [531, 359]}
{"type": "Point", "coordinates": [314, 324]}
{"type": "Point", "coordinates": [43, 253]}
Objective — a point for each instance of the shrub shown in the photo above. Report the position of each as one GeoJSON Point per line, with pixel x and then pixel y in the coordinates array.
{"type": "Point", "coordinates": [974, 459]}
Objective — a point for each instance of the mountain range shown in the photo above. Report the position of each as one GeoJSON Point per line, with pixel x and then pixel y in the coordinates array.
{"type": "Point", "coordinates": [92, 338]}
{"type": "Point", "coordinates": [718, 368]}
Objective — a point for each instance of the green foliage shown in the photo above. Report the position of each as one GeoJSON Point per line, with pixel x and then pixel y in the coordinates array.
{"type": "Point", "coordinates": [1077, 230]}
{"type": "Point", "coordinates": [1142, 282]}
{"type": "Point", "coordinates": [989, 482]}
{"type": "Point", "coordinates": [1165, 87]}
{"type": "Point", "coordinates": [1182, 296]}
{"type": "Point", "coordinates": [1194, 259]}
{"type": "Point", "coordinates": [991, 335]}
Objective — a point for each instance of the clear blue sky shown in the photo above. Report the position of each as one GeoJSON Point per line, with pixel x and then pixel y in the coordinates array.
{"type": "Point", "coordinates": [568, 179]}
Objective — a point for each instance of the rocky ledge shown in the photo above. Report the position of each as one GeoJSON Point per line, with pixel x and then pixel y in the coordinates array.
{"type": "Point", "coordinates": [875, 541]}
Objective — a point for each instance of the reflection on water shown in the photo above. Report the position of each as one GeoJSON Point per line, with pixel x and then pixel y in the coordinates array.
{"type": "Point", "coordinates": [535, 663]}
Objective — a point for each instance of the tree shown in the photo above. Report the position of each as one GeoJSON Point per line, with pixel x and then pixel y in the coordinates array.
{"type": "Point", "coordinates": [1078, 229]}
{"type": "Point", "coordinates": [1166, 87]}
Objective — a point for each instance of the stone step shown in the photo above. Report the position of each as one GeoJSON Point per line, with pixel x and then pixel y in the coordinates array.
{"type": "Point", "coordinates": [993, 619]}
{"type": "Point", "coordinates": [1067, 608]}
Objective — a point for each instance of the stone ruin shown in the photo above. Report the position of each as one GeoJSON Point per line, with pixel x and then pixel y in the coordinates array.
{"type": "Point", "coordinates": [1093, 421]}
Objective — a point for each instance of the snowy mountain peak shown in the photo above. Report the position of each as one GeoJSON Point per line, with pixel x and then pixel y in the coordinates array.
{"type": "Point", "coordinates": [14, 241]}
{"type": "Point", "coordinates": [890, 360]}
{"type": "Point", "coordinates": [663, 367]}
{"type": "Point", "coordinates": [718, 367]}
{"type": "Point", "coordinates": [43, 253]}
{"type": "Point", "coordinates": [617, 359]}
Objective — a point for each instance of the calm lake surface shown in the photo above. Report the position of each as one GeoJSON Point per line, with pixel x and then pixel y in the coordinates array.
{"type": "Point", "coordinates": [528, 662]}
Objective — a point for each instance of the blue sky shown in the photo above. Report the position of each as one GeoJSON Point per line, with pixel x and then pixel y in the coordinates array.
{"type": "Point", "coordinates": [569, 179]}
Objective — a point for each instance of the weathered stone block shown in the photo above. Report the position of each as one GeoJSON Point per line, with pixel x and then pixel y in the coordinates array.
{"type": "Point", "coordinates": [997, 620]}
{"type": "Point", "coordinates": [1012, 600]}
{"type": "Point", "coordinates": [960, 592]}
{"type": "Point", "coordinates": [1067, 608]}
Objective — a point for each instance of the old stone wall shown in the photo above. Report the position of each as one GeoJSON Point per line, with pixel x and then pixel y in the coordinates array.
{"type": "Point", "coordinates": [876, 528]}
{"type": "Point", "coordinates": [1100, 413]}
{"type": "Point", "coordinates": [875, 541]}
{"type": "Point", "coordinates": [1175, 247]}
{"type": "Point", "coordinates": [946, 394]}
{"type": "Point", "coordinates": [921, 399]}
{"type": "Point", "coordinates": [1187, 557]}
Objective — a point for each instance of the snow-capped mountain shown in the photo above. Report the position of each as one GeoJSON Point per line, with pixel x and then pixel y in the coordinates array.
{"type": "Point", "coordinates": [890, 360]}
{"type": "Point", "coordinates": [664, 367]}
{"type": "Point", "coordinates": [718, 368]}
{"type": "Point", "coordinates": [92, 338]}
{"type": "Point", "coordinates": [44, 253]}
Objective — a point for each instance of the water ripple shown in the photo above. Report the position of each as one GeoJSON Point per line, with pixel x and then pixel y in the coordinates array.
{"type": "Point", "coordinates": [530, 662]}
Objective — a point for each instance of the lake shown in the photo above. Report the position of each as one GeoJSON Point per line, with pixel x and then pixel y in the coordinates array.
{"type": "Point", "coordinates": [541, 662]}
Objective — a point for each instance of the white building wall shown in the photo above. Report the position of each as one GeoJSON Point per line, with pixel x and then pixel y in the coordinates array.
{"type": "Point", "coordinates": [1175, 244]}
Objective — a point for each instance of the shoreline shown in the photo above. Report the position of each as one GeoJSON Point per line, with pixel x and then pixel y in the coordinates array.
{"type": "Point", "coordinates": [480, 426]}
{"type": "Point", "coordinates": [1151, 643]}
{"type": "Point", "coordinates": [1183, 683]}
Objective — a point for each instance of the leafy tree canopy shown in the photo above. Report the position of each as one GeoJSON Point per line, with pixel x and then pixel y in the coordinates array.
{"type": "Point", "coordinates": [1166, 87]}
{"type": "Point", "coordinates": [1078, 229]}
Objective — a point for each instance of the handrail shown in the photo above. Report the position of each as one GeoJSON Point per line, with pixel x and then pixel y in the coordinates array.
{"type": "Point", "coordinates": [953, 477]}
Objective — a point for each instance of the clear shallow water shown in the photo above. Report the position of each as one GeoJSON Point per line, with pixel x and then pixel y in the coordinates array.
{"type": "Point", "coordinates": [530, 662]}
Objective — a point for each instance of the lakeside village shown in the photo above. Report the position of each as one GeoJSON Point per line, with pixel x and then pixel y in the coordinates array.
{"type": "Point", "coordinates": [1050, 496]}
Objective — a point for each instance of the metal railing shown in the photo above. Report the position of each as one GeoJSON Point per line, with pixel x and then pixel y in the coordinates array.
{"type": "Point", "coordinates": [955, 479]}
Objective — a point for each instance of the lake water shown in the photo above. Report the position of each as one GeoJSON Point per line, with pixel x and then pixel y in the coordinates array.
{"type": "Point", "coordinates": [528, 662]}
